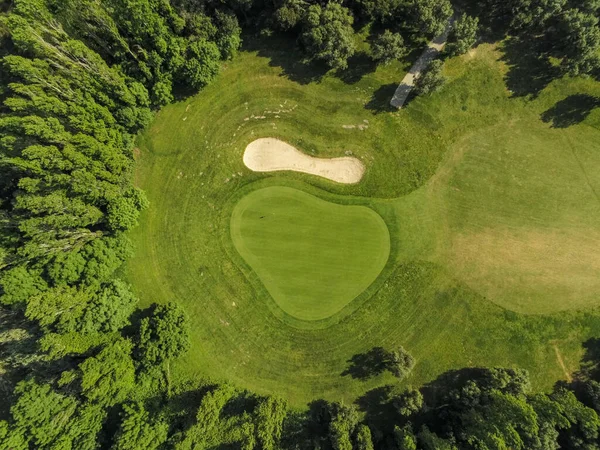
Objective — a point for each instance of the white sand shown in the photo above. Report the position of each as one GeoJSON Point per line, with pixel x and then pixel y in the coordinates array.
{"type": "Point", "coordinates": [270, 154]}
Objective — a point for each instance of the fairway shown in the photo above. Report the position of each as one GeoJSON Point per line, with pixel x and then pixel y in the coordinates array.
{"type": "Point", "coordinates": [313, 256]}
{"type": "Point", "coordinates": [486, 215]}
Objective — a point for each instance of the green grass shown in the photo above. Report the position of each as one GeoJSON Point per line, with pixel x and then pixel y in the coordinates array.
{"type": "Point", "coordinates": [492, 214]}
{"type": "Point", "coordinates": [314, 257]}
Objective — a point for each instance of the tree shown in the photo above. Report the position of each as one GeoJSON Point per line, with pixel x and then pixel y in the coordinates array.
{"type": "Point", "coordinates": [290, 14]}
{"type": "Point", "coordinates": [19, 284]}
{"type": "Point", "coordinates": [202, 63]}
{"type": "Point", "coordinates": [405, 438]}
{"type": "Point", "coordinates": [228, 35]}
{"type": "Point", "coordinates": [163, 336]}
{"type": "Point", "coordinates": [58, 309]}
{"type": "Point", "coordinates": [364, 441]}
{"type": "Point", "coordinates": [384, 12]}
{"type": "Point", "coordinates": [387, 47]}
{"type": "Point", "coordinates": [327, 34]}
{"type": "Point", "coordinates": [431, 79]}
{"type": "Point", "coordinates": [270, 414]}
{"type": "Point", "coordinates": [401, 363]}
{"type": "Point", "coordinates": [202, 433]}
{"type": "Point", "coordinates": [108, 377]}
{"type": "Point", "coordinates": [408, 402]}
{"type": "Point", "coordinates": [109, 309]}
{"type": "Point", "coordinates": [533, 15]}
{"type": "Point", "coordinates": [431, 16]}
{"type": "Point", "coordinates": [122, 213]}
{"type": "Point", "coordinates": [47, 419]}
{"type": "Point", "coordinates": [431, 441]}
{"type": "Point", "coordinates": [344, 420]}
{"type": "Point", "coordinates": [578, 35]}
{"type": "Point", "coordinates": [137, 431]}
{"type": "Point", "coordinates": [463, 35]}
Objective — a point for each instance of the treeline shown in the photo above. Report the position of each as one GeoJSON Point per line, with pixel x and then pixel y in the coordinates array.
{"type": "Point", "coordinates": [82, 366]}
{"type": "Point", "coordinates": [103, 403]}
{"type": "Point", "coordinates": [78, 81]}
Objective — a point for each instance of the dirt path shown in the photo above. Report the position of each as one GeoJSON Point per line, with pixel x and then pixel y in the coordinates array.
{"type": "Point", "coordinates": [561, 363]}
{"type": "Point", "coordinates": [270, 154]}
{"type": "Point", "coordinates": [432, 50]}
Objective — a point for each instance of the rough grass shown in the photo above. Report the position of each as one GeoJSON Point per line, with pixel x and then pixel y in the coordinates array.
{"type": "Point", "coordinates": [489, 199]}
{"type": "Point", "coordinates": [313, 256]}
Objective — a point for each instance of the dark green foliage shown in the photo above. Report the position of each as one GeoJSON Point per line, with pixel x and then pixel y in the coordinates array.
{"type": "Point", "coordinates": [429, 440]}
{"type": "Point", "coordinates": [344, 420]}
{"type": "Point", "coordinates": [270, 414]}
{"type": "Point", "coordinates": [431, 16]}
{"type": "Point", "coordinates": [578, 41]}
{"type": "Point", "coordinates": [137, 431]}
{"type": "Point", "coordinates": [228, 34]}
{"type": "Point", "coordinates": [201, 64]}
{"type": "Point", "coordinates": [405, 438]}
{"type": "Point", "coordinates": [163, 336]}
{"type": "Point", "coordinates": [463, 35]}
{"type": "Point", "coordinates": [534, 13]}
{"type": "Point", "coordinates": [364, 440]}
{"type": "Point", "coordinates": [47, 419]}
{"type": "Point", "coordinates": [290, 14]}
{"type": "Point", "coordinates": [109, 309]}
{"type": "Point", "coordinates": [152, 42]}
{"type": "Point", "coordinates": [408, 402]}
{"type": "Point", "coordinates": [327, 34]}
{"type": "Point", "coordinates": [203, 431]}
{"type": "Point", "coordinates": [108, 377]}
{"type": "Point", "coordinates": [387, 47]}
{"type": "Point", "coordinates": [78, 79]}
{"type": "Point", "coordinates": [400, 363]}
{"type": "Point", "coordinates": [19, 284]}
{"type": "Point", "coordinates": [431, 79]}
{"type": "Point", "coordinates": [382, 11]}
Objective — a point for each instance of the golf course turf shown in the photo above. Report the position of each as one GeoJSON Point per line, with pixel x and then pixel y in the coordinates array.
{"type": "Point", "coordinates": [313, 256]}
{"type": "Point", "coordinates": [489, 202]}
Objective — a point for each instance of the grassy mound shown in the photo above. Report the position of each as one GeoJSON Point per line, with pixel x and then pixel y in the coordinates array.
{"type": "Point", "coordinates": [314, 257]}
{"type": "Point", "coordinates": [489, 200]}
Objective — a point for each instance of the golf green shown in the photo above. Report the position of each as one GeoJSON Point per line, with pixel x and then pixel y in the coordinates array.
{"type": "Point", "coordinates": [313, 256]}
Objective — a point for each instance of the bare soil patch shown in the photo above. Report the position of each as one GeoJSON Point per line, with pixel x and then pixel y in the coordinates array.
{"type": "Point", "coordinates": [270, 154]}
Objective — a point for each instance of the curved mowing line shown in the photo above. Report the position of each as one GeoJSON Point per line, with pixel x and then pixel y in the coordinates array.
{"type": "Point", "coordinates": [313, 257]}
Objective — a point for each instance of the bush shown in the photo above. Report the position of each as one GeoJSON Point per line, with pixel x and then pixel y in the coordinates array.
{"type": "Point", "coordinates": [431, 79]}
{"type": "Point", "coordinates": [463, 36]}
{"type": "Point", "coordinates": [401, 363]}
{"type": "Point", "coordinates": [387, 47]}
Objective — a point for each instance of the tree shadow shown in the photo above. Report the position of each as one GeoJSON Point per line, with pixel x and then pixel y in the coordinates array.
{"type": "Point", "coordinates": [570, 111]}
{"type": "Point", "coordinates": [380, 100]}
{"type": "Point", "coordinates": [363, 366]}
{"type": "Point", "coordinates": [282, 51]}
{"type": "Point", "coordinates": [380, 413]}
{"type": "Point", "coordinates": [530, 70]}
{"type": "Point", "coordinates": [359, 65]}
{"type": "Point", "coordinates": [590, 362]}
{"type": "Point", "coordinates": [436, 391]}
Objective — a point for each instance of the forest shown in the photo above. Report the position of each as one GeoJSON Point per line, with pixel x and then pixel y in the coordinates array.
{"type": "Point", "coordinates": [81, 365]}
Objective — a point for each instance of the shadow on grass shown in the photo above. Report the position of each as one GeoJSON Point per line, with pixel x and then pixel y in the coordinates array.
{"type": "Point", "coordinates": [359, 65]}
{"type": "Point", "coordinates": [363, 366]}
{"type": "Point", "coordinates": [380, 100]}
{"type": "Point", "coordinates": [590, 362]}
{"type": "Point", "coordinates": [282, 51]}
{"type": "Point", "coordinates": [572, 110]}
{"type": "Point", "coordinates": [380, 413]}
{"type": "Point", "coordinates": [530, 71]}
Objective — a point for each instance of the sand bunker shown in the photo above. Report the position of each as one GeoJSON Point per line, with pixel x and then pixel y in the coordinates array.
{"type": "Point", "coordinates": [269, 155]}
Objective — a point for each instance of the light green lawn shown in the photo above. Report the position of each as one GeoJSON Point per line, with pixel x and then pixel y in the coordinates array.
{"type": "Point", "coordinates": [487, 207]}
{"type": "Point", "coordinates": [314, 257]}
